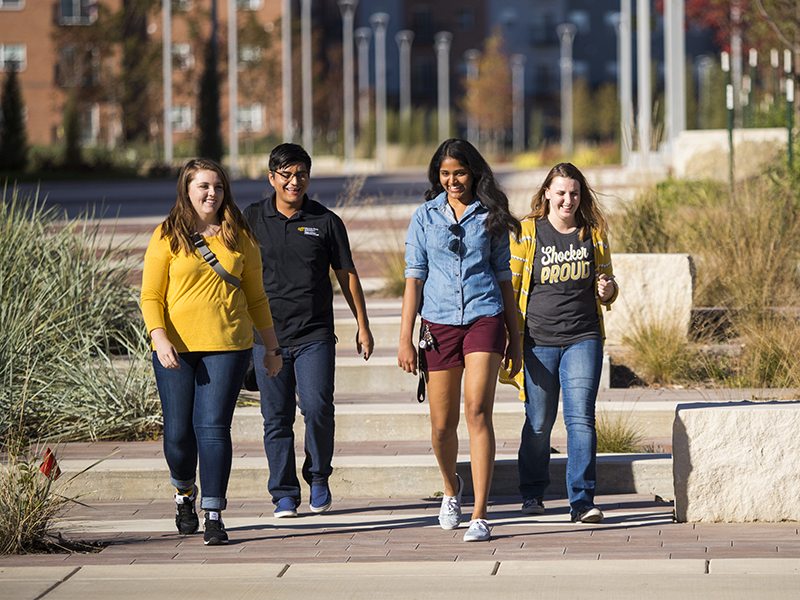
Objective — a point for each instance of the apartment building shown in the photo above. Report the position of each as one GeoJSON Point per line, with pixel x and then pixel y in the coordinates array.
{"type": "Point", "coordinates": [74, 47]}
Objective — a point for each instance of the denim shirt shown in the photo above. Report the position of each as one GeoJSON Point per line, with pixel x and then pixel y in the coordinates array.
{"type": "Point", "coordinates": [460, 262]}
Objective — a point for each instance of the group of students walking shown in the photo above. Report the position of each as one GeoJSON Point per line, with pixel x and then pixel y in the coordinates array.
{"type": "Point", "coordinates": [497, 296]}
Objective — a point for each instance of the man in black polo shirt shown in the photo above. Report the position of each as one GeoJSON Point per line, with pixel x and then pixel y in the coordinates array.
{"type": "Point", "coordinates": [301, 241]}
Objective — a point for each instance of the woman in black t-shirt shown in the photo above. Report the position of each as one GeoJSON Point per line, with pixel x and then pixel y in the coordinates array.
{"type": "Point", "coordinates": [562, 277]}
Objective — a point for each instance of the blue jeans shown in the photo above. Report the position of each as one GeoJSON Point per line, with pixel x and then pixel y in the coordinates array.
{"type": "Point", "coordinates": [575, 371]}
{"type": "Point", "coordinates": [197, 402]}
{"type": "Point", "coordinates": [307, 371]}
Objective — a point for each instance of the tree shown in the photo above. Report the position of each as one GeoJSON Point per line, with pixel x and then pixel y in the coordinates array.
{"type": "Point", "coordinates": [209, 143]}
{"type": "Point", "coordinates": [72, 132]}
{"type": "Point", "coordinates": [139, 78]}
{"type": "Point", "coordinates": [607, 117]}
{"type": "Point", "coordinates": [13, 135]}
{"type": "Point", "coordinates": [583, 110]}
{"type": "Point", "coordinates": [488, 97]}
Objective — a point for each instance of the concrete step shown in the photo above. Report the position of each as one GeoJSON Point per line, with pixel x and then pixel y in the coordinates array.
{"type": "Point", "coordinates": [410, 420]}
{"type": "Point", "coordinates": [143, 475]}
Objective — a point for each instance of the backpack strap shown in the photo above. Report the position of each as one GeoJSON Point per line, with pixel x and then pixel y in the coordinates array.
{"type": "Point", "coordinates": [211, 259]}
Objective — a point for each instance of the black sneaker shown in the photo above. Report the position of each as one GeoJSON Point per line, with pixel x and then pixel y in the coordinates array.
{"type": "Point", "coordinates": [215, 533]}
{"type": "Point", "coordinates": [588, 514]}
{"type": "Point", "coordinates": [533, 506]}
{"type": "Point", "coordinates": [186, 519]}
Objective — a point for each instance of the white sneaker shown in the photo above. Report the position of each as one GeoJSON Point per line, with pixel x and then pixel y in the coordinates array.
{"type": "Point", "coordinates": [450, 511]}
{"type": "Point", "coordinates": [478, 531]}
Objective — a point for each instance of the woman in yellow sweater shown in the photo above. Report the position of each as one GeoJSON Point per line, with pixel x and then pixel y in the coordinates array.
{"type": "Point", "coordinates": [201, 327]}
{"type": "Point", "coordinates": [562, 278]}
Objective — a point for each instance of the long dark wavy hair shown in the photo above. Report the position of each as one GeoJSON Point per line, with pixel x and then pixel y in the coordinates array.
{"type": "Point", "coordinates": [484, 187]}
{"type": "Point", "coordinates": [589, 216]}
{"type": "Point", "coordinates": [180, 225]}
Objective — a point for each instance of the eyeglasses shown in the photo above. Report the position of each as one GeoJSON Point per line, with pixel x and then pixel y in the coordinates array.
{"type": "Point", "coordinates": [287, 176]}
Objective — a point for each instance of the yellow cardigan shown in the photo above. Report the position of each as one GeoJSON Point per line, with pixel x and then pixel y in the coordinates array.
{"type": "Point", "coordinates": [522, 253]}
{"type": "Point", "coordinates": [199, 311]}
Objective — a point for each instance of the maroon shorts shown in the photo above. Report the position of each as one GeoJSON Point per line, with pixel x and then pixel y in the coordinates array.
{"type": "Point", "coordinates": [452, 342]}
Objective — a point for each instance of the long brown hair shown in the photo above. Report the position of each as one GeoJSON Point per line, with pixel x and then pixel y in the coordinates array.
{"type": "Point", "coordinates": [589, 216]}
{"type": "Point", "coordinates": [484, 186]}
{"type": "Point", "coordinates": [180, 225]}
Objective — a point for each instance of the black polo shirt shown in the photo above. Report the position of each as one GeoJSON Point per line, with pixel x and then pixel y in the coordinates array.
{"type": "Point", "coordinates": [297, 255]}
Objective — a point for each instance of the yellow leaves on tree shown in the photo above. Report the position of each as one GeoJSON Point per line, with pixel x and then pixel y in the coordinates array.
{"type": "Point", "coordinates": [488, 97]}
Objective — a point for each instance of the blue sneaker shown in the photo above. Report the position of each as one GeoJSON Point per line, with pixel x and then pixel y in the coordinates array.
{"type": "Point", "coordinates": [286, 507]}
{"type": "Point", "coordinates": [320, 498]}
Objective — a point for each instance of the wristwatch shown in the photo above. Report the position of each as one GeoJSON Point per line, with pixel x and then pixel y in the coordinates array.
{"type": "Point", "coordinates": [275, 352]}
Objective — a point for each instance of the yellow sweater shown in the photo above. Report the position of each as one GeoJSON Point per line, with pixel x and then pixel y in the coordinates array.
{"type": "Point", "coordinates": [199, 311]}
{"type": "Point", "coordinates": [522, 254]}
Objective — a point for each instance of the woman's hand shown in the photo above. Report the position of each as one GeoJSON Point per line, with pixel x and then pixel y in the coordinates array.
{"type": "Point", "coordinates": [512, 361]}
{"type": "Point", "coordinates": [273, 364]}
{"type": "Point", "coordinates": [166, 352]}
{"type": "Point", "coordinates": [605, 288]}
{"type": "Point", "coordinates": [407, 357]}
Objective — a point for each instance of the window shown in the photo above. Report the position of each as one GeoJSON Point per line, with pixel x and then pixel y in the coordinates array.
{"type": "Point", "coordinates": [77, 68]}
{"type": "Point", "coordinates": [182, 58]}
{"type": "Point", "coordinates": [90, 125]}
{"type": "Point", "coordinates": [249, 55]}
{"type": "Point", "coordinates": [12, 4]}
{"type": "Point", "coordinates": [182, 117]}
{"type": "Point", "coordinates": [249, 4]}
{"type": "Point", "coordinates": [78, 12]}
{"type": "Point", "coordinates": [423, 24]}
{"type": "Point", "coordinates": [465, 19]}
{"type": "Point", "coordinates": [424, 78]}
{"type": "Point", "coordinates": [13, 56]}
{"type": "Point", "coordinates": [251, 118]}
{"type": "Point", "coordinates": [181, 5]}
{"type": "Point", "coordinates": [543, 30]}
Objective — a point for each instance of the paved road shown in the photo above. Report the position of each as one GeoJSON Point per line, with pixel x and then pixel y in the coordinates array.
{"type": "Point", "coordinates": [154, 197]}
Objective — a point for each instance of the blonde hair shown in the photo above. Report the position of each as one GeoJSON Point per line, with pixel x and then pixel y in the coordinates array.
{"type": "Point", "coordinates": [180, 225]}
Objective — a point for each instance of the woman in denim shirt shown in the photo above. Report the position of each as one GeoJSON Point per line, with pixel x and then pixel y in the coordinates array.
{"type": "Point", "coordinates": [458, 278]}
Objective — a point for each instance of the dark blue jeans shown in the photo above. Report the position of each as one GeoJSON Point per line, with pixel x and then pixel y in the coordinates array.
{"type": "Point", "coordinates": [575, 371]}
{"type": "Point", "coordinates": [197, 401]}
{"type": "Point", "coordinates": [307, 374]}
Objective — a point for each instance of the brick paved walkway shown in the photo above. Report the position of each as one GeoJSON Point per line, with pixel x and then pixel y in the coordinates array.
{"type": "Point", "coordinates": [391, 530]}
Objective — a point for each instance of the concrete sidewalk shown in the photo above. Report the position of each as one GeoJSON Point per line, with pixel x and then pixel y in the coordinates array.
{"type": "Point", "coordinates": [393, 548]}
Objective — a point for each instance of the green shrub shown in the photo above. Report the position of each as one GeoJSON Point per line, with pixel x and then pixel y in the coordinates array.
{"type": "Point", "coordinates": [660, 352]}
{"type": "Point", "coordinates": [67, 313]}
{"type": "Point", "coordinates": [617, 433]}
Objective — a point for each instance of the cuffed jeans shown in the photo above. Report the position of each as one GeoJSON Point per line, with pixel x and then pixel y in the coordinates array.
{"type": "Point", "coordinates": [307, 373]}
{"type": "Point", "coordinates": [575, 371]}
{"type": "Point", "coordinates": [197, 402]}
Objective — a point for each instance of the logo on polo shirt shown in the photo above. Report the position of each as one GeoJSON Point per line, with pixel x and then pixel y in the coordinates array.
{"type": "Point", "coordinates": [309, 231]}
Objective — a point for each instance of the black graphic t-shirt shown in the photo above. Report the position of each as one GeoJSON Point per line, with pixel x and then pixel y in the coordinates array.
{"type": "Point", "coordinates": [561, 305]}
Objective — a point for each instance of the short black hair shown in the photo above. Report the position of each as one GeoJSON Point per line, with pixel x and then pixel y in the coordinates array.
{"type": "Point", "coordinates": [288, 154]}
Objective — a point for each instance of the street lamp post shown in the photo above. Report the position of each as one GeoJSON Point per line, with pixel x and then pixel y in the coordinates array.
{"type": "Point", "coordinates": [233, 90]}
{"type": "Point", "coordinates": [644, 94]}
{"type": "Point", "coordinates": [286, 67]}
{"type": "Point", "coordinates": [166, 49]}
{"type": "Point", "coordinates": [348, 9]}
{"type": "Point", "coordinates": [473, 132]}
{"type": "Point", "coordinates": [625, 79]}
{"type": "Point", "coordinates": [566, 33]}
{"type": "Point", "coordinates": [379, 21]}
{"type": "Point", "coordinates": [363, 36]}
{"type": "Point", "coordinates": [726, 67]}
{"type": "Point", "coordinates": [518, 96]}
{"type": "Point", "coordinates": [787, 67]}
{"type": "Point", "coordinates": [308, 111]}
{"type": "Point", "coordinates": [404, 38]}
{"type": "Point", "coordinates": [441, 43]}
